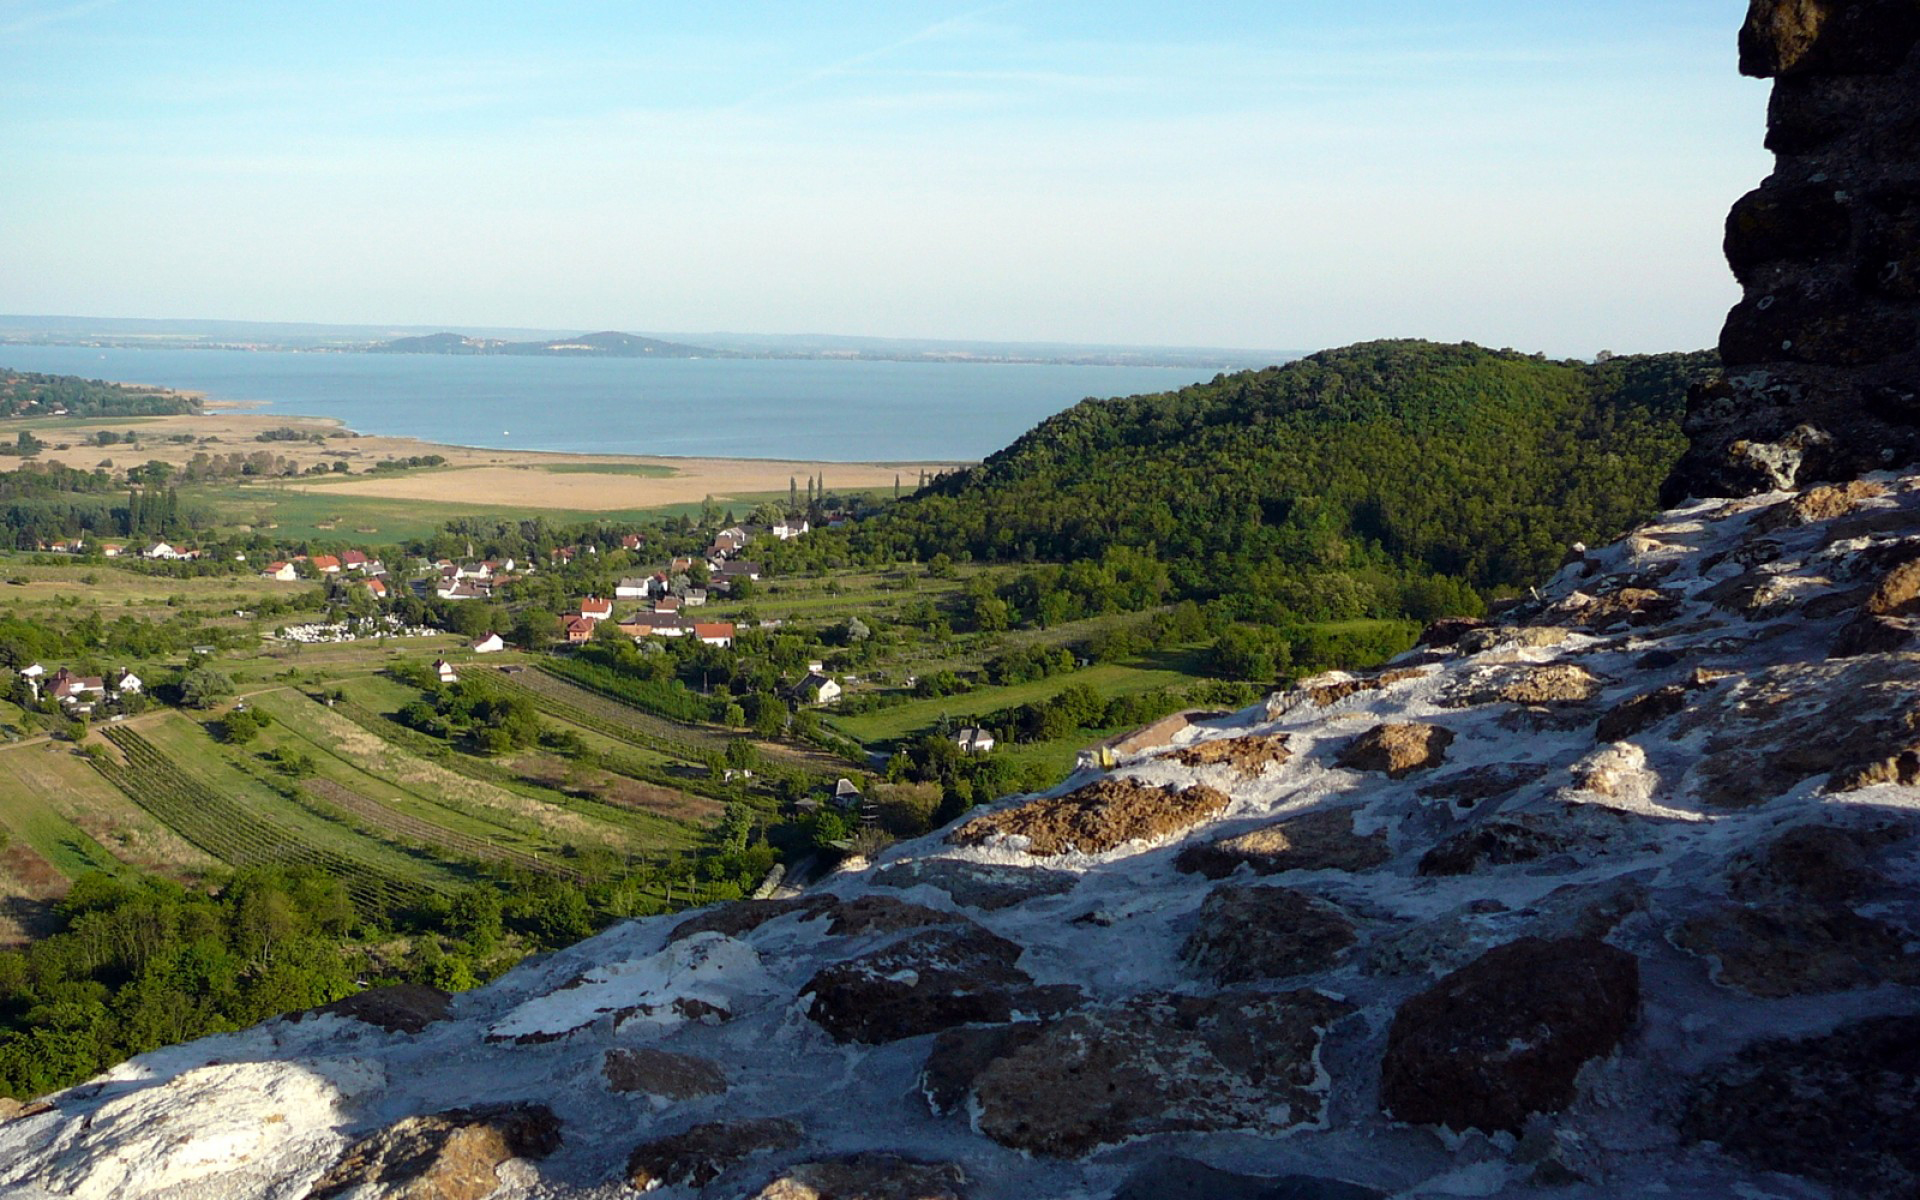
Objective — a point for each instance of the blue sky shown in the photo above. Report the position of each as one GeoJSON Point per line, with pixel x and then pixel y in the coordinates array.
{"type": "Point", "coordinates": [1278, 175]}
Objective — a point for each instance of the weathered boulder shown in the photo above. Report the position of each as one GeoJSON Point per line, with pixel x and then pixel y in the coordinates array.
{"type": "Point", "coordinates": [1843, 1108]}
{"type": "Point", "coordinates": [1637, 713]}
{"type": "Point", "coordinates": [1471, 785]}
{"type": "Point", "coordinates": [1098, 817]}
{"type": "Point", "coordinates": [1252, 933]}
{"type": "Point", "coordinates": [1247, 755]}
{"type": "Point", "coordinates": [883, 914]}
{"type": "Point", "coordinates": [1447, 631]}
{"type": "Point", "coordinates": [1548, 683]}
{"type": "Point", "coordinates": [399, 1008]}
{"type": "Point", "coordinates": [452, 1155]}
{"type": "Point", "coordinates": [655, 1072]}
{"type": "Point", "coordinates": [1578, 830]}
{"type": "Point", "coordinates": [1513, 637]}
{"type": "Point", "coordinates": [1317, 841]}
{"type": "Point", "coordinates": [744, 916]}
{"type": "Point", "coordinates": [1623, 605]}
{"type": "Point", "coordinates": [1867, 634]}
{"type": "Point", "coordinates": [696, 1157]}
{"type": "Point", "coordinates": [1160, 1063]}
{"type": "Point", "coordinates": [986, 886]}
{"type": "Point", "coordinates": [1822, 863]}
{"type": "Point", "coordinates": [1505, 1035]}
{"type": "Point", "coordinates": [705, 978]}
{"type": "Point", "coordinates": [1399, 749]}
{"type": "Point", "coordinates": [1327, 690]}
{"type": "Point", "coordinates": [1178, 1178]}
{"type": "Point", "coordinates": [1823, 503]}
{"type": "Point", "coordinates": [926, 982]}
{"type": "Point", "coordinates": [1797, 949]}
{"type": "Point", "coordinates": [867, 1177]}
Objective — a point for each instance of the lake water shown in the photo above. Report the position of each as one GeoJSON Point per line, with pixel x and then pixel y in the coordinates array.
{"type": "Point", "coordinates": [831, 410]}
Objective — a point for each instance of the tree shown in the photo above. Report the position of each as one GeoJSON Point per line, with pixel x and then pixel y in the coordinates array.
{"type": "Point", "coordinates": [204, 687]}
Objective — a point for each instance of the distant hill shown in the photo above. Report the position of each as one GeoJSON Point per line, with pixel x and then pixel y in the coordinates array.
{"type": "Point", "coordinates": [609, 344]}
{"type": "Point", "coordinates": [1367, 466]}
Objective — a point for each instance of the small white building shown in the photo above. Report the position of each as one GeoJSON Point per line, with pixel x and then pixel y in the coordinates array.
{"type": "Point", "coordinates": [973, 741]}
{"type": "Point", "coordinates": [282, 571]}
{"type": "Point", "coordinates": [493, 643]}
{"type": "Point", "coordinates": [128, 684]}
{"type": "Point", "coordinates": [444, 669]}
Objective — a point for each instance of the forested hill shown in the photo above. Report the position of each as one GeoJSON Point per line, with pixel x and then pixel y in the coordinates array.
{"type": "Point", "coordinates": [29, 394]}
{"type": "Point", "coordinates": [1402, 457]}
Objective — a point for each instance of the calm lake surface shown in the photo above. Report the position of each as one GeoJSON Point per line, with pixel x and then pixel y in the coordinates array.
{"type": "Point", "coordinates": [837, 411]}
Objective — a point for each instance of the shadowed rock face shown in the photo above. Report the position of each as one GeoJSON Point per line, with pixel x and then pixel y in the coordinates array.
{"type": "Point", "coordinates": [1505, 1035]}
{"type": "Point", "coordinates": [1822, 353]}
{"type": "Point", "coordinates": [1844, 1108]}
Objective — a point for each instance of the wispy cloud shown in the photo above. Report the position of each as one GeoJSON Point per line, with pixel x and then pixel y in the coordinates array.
{"type": "Point", "coordinates": [16, 20]}
{"type": "Point", "coordinates": [846, 66]}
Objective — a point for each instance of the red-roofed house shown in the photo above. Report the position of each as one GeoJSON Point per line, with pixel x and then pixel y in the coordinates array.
{"type": "Point", "coordinates": [594, 608]}
{"type": "Point", "coordinates": [326, 564]}
{"type": "Point", "coordinates": [354, 560]}
{"type": "Point", "coordinates": [714, 633]}
{"type": "Point", "coordinates": [283, 571]}
{"type": "Point", "coordinates": [377, 586]}
{"type": "Point", "coordinates": [580, 628]}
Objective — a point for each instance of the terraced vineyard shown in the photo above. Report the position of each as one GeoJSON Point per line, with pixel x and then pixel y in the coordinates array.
{"type": "Point", "coordinates": [604, 715]}
{"type": "Point", "coordinates": [229, 832]}
{"type": "Point", "coordinates": [414, 829]}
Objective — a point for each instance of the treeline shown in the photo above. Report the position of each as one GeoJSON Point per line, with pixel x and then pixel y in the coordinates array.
{"type": "Point", "coordinates": [30, 394]}
{"type": "Point", "coordinates": [1374, 480]}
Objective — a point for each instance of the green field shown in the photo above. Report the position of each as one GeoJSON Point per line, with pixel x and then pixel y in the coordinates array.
{"type": "Point", "coordinates": [915, 716]}
{"type": "Point", "coordinates": [644, 470]}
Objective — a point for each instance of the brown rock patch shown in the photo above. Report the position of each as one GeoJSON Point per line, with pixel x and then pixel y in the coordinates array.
{"type": "Point", "coordinates": [1098, 817]}
{"type": "Point", "coordinates": [1469, 787]}
{"type": "Point", "coordinates": [884, 914]}
{"type": "Point", "coordinates": [1397, 749]}
{"type": "Point", "coordinates": [400, 1008]}
{"type": "Point", "coordinates": [1252, 933]}
{"type": "Point", "coordinates": [1552, 683]}
{"type": "Point", "coordinates": [700, 1155]}
{"type": "Point", "coordinates": [1318, 841]}
{"type": "Point", "coordinates": [745, 916]}
{"type": "Point", "coordinates": [1636, 713]}
{"type": "Point", "coordinates": [925, 982]}
{"type": "Point", "coordinates": [1505, 1035]}
{"type": "Point", "coordinates": [1160, 1063]}
{"type": "Point", "coordinates": [660, 1073]}
{"type": "Point", "coordinates": [1797, 949]}
{"type": "Point", "coordinates": [1247, 755]}
{"type": "Point", "coordinates": [1325, 695]}
{"type": "Point", "coordinates": [449, 1155]}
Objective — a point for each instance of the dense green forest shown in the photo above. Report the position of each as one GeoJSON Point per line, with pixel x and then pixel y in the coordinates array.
{"type": "Point", "coordinates": [1358, 480]}
{"type": "Point", "coordinates": [29, 394]}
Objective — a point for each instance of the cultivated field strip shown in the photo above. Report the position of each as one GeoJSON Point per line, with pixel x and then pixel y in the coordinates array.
{"type": "Point", "coordinates": [604, 715]}
{"type": "Point", "coordinates": [228, 831]}
{"type": "Point", "coordinates": [402, 825]}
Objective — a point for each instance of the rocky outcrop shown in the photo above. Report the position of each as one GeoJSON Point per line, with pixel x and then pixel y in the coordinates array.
{"type": "Point", "coordinates": [400, 1008]}
{"type": "Point", "coordinates": [1843, 1109]}
{"type": "Point", "coordinates": [1096, 818]}
{"type": "Point", "coordinates": [1252, 933]}
{"type": "Point", "coordinates": [1822, 353]}
{"type": "Point", "coordinates": [1160, 1064]}
{"type": "Point", "coordinates": [1399, 749]}
{"type": "Point", "coordinates": [1504, 1036]}
{"type": "Point", "coordinates": [985, 886]}
{"type": "Point", "coordinates": [696, 1157]}
{"type": "Point", "coordinates": [1247, 755]}
{"type": "Point", "coordinates": [454, 1155]}
{"type": "Point", "coordinates": [655, 1072]}
{"type": "Point", "coordinates": [927, 982]}
{"type": "Point", "coordinates": [1321, 841]}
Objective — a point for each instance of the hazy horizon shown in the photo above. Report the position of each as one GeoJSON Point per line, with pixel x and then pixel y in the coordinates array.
{"type": "Point", "coordinates": [1261, 176]}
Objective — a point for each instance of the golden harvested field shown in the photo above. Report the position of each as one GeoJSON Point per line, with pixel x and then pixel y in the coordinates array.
{"type": "Point", "coordinates": [499, 478]}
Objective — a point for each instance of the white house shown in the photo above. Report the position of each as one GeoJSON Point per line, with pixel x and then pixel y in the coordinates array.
{"type": "Point", "coordinates": [128, 684]}
{"type": "Point", "coordinates": [714, 633]}
{"type": "Point", "coordinates": [973, 741]}
{"type": "Point", "coordinates": [817, 686]}
{"type": "Point", "coordinates": [445, 671]}
{"type": "Point", "coordinates": [283, 571]}
{"type": "Point", "coordinates": [632, 589]}
{"type": "Point", "coordinates": [493, 643]}
{"type": "Point", "coordinates": [788, 529]}
{"type": "Point", "coordinates": [595, 608]}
